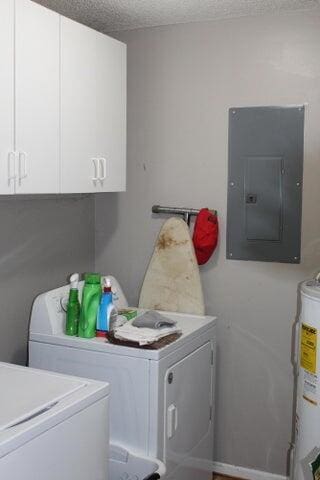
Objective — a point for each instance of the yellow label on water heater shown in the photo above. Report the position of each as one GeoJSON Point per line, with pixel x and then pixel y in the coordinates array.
{"type": "Point", "coordinates": [308, 348]}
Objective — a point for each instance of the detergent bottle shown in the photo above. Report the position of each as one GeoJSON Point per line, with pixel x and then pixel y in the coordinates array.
{"type": "Point", "coordinates": [90, 304]}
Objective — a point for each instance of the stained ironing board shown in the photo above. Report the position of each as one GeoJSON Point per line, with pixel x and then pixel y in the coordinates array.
{"type": "Point", "coordinates": [172, 281]}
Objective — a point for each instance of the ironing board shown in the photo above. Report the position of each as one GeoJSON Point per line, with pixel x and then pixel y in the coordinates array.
{"type": "Point", "coordinates": [172, 281]}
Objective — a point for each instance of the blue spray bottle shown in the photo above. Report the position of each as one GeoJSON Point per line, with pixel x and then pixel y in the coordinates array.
{"type": "Point", "coordinates": [107, 312]}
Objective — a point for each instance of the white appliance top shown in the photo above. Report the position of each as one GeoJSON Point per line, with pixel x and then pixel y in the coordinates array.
{"type": "Point", "coordinates": [48, 323]}
{"type": "Point", "coordinates": [25, 392]}
{"type": "Point", "coordinates": [191, 325]}
{"type": "Point", "coordinates": [311, 288]}
{"type": "Point", "coordinates": [32, 401]}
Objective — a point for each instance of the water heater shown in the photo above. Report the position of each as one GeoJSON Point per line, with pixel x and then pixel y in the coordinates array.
{"type": "Point", "coordinates": [306, 453]}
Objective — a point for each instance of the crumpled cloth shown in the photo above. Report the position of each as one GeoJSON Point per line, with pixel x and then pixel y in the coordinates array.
{"type": "Point", "coordinates": [143, 336]}
{"type": "Point", "coordinates": [153, 319]}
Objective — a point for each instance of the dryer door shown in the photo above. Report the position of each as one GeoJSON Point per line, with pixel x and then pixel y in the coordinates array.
{"type": "Point", "coordinates": [188, 404]}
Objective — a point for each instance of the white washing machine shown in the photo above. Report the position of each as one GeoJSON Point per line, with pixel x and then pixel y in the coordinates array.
{"type": "Point", "coordinates": [162, 401]}
{"type": "Point", "coordinates": [50, 426]}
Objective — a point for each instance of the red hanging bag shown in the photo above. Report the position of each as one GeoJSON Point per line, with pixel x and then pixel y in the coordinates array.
{"type": "Point", "coordinates": [205, 235]}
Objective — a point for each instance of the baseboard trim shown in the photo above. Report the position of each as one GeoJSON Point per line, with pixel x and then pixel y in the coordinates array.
{"type": "Point", "coordinates": [244, 473]}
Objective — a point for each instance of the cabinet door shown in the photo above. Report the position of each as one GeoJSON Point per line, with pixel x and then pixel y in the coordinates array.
{"type": "Point", "coordinates": [6, 96]}
{"type": "Point", "coordinates": [37, 98]}
{"type": "Point", "coordinates": [111, 113]}
{"type": "Point", "coordinates": [79, 163]}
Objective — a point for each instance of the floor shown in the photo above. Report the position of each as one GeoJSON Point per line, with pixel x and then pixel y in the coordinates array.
{"type": "Point", "coordinates": [222, 477]}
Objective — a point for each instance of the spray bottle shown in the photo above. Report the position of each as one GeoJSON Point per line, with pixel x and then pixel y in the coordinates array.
{"type": "Point", "coordinates": [107, 314]}
{"type": "Point", "coordinates": [73, 307]}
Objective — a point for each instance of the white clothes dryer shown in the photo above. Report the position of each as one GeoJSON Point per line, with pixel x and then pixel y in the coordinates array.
{"type": "Point", "coordinates": [162, 401]}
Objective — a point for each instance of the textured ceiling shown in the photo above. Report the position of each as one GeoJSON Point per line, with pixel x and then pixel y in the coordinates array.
{"type": "Point", "coordinates": [114, 15]}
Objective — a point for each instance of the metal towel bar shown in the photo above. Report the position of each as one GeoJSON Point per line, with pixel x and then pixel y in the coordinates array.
{"type": "Point", "coordinates": [185, 212]}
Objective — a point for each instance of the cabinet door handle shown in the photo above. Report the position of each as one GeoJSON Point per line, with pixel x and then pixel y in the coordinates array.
{"type": "Point", "coordinates": [11, 167]}
{"type": "Point", "coordinates": [95, 166]}
{"type": "Point", "coordinates": [22, 166]}
{"type": "Point", "coordinates": [103, 169]}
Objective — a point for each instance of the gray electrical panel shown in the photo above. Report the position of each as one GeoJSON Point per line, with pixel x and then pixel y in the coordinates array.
{"type": "Point", "coordinates": [265, 183]}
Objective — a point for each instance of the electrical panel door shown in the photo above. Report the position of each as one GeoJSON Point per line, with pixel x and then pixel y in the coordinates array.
{"type": "Point", "coordinates": [263, 197]}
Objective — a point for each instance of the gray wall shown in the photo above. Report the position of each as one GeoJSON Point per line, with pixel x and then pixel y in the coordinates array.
{"type": "Point", "coordinates": [42, 240]}
{"type": "Point", "coordinates": [182, 80]}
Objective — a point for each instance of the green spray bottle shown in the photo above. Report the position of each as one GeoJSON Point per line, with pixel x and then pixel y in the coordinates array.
{"type": "Point", "coordinates": [73, 307]}
{"type": "Point", "coordinates": [90, 303]}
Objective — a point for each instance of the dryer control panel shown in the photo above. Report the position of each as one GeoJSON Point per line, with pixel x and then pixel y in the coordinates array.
{"type": "Point", "coordinates": [48, 314]}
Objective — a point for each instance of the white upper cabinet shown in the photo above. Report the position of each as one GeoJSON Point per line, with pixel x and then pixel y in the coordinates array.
{"type": "Point", "coordinates": [37, 93]}
{"type": "Point", "coordinates": [62, 104]}
{"type": "Point", "coordinates": [93, 110]}
{"type": "Point", "coordinates": [7, 157]}
{"type": "Point", "coordinates": [111, 112]}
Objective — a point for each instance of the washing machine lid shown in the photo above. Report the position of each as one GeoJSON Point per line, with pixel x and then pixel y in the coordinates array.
{"type": "Point", "coordinates": [33, 401]}
{"type": "Point", "coordinates": [192, 326]}
{"type": "Point", "coordinates": [26, 392]}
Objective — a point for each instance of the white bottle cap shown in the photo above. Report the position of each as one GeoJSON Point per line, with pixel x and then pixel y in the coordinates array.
{"type": "Point", "coordinates": [107, 282]}
{"type": "Point", "coordinates": [74, 281]}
